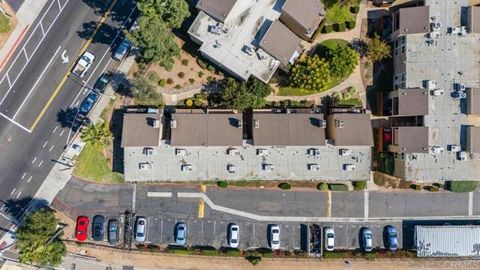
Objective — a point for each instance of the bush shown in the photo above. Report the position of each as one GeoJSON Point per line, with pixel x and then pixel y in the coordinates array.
{"type": "Point", "coordinates": [438, 185]}
{"type": "Point", "coordinates": [181, 75]}
{"type": "Point", "coordinates": [201, 63]}
{"type": "Point", "coordinates": [198, 103]}
{"type": "Point", "coordinates": [432, 188]}
{"type": "Point", "coordinates": [461, 186]}
{"type": "Point", "coordinates": [209, 78]}
{"type": "Point", "coordinates": [201, 95]}
{"type": "Point", "coordinates": [169, 81]}
{"type": "Point", "coordinates": [222, 184]}
{"type": "Point", "coordinates": [162, 82]}
{"type": "Point", "coordinates": [4, 24]}
{"type": "Point", "coordinates": [211, 68]}
{"type": "Point", "coordinates": [230, 252]}
{"type": "Point", "coordinates": [181, 103]}
{"type": "Point", "coordinates": [189, 103]}
{"type": "Point", "coordinates": [359, 185]}
{"type": "Point", "coordinates": [338, 187]}
{"type": "Point", "coordinates": [350, 24]}
{"type": "Point", "coordinates": [340, 27]}
{"type": "Point", "coordinates": [185, 62]}
{"type": "Point", "coordinates": [416, 187]}
{"type": "Point", "coordinates": [191, 81]}
{"type": "Point", "coordinates": [322, 186]}
{"type": "Point", "coordinates": [200, 74]}
{"type": "Point", "coordinates": [327, 29]}
{"type": "Point", "coordinates": [285, 186]}
{"type": "Point", "coordinates": [355, 9]}
{"type": "Point", "coordinates": [153, 77]}
{"type": "Point", "coordinates": [177, 86]}
{"type": "Point", "coordinates": [253, 259]}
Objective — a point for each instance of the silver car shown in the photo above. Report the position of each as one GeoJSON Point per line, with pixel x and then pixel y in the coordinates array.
{"type": "Point", "coordinates": [233, 236]}
{"type": "Point", "coordinates": [140, 229]}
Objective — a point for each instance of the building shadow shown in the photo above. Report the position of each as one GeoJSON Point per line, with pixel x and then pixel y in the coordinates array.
{"type": "Point", "coordinates": [116, 126]}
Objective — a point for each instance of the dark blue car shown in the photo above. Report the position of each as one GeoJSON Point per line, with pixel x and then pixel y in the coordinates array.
{"type": "Point", "coordinates": [88, 103]}
{"type": "Point", "coordinates": [392, 238]}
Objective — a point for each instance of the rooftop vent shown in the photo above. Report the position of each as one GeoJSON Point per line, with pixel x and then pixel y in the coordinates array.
{"type": "Point", "coordinates": [268, 167]}
{"type": "Point", "coordinates": [173, 124]}
{"type": "Point", "coordinates": [256, 123]}
{"type": "Point", "coordinates": [231, 168]}
{"type": "Point", "coordinates": [157, 123]}
{"type": "Point", "coordinates": [313, 167]}
{"type": "Point", "coordinates": [338, 123]}
{"type": "Point", "coordinates": [186, 167]}
{"type": "Point", "coordinates": [145, 166]}
{"type": "Point", "coordinates": [148, 151]}
{"type": "Point", "coordinates": [239, 124]}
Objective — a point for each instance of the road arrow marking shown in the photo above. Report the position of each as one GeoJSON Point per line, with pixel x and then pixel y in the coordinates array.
{"type": "Point", "coordinates": [65, 57]}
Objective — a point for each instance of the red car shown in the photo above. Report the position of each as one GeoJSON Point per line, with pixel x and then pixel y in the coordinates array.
{"type": "Point", "coordinates": [81, 231]}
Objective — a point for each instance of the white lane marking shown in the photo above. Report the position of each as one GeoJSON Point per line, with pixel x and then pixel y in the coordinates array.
{"type": "Point", "coordinates": [25, 53]}
{"type": "Point", "coordinates": [35, 84]}
{"type": "Point", "coordinates": [159, 194]}
{"type": "Point", "coordinates": [30, 178]}
{"type": "Point", "coordinates": [33, 161]}
{"type": "Point", "coordinates": [3, 206]}
{"type": "Point", "coordinates": [470, 203]}
{"type": "Point", "coordinates": [45, 144]}
{"type": "Point", "coordinates": [36, 48]}
{"type": "Point", "coordinates": [8, 79]}
{"type": "Point", "coordinates": [59, 4]}
{"type": "Point", "coordinates": [61, 133]}
{"type": "Point", "coordinates": [16, 123]}
{"type": "Point", "coordinates": [55, 129]}
{"type": "Point", "coordinates": [18, 195]}
{"type": "Point", "coordinates": [24, 174]}
{"type": "Point", "coordinates": [40, 164]}
{"type": "Point", "coordinates": [41, 27]}
{"type": "Point", "coordinates": [365, 204]}
{"type": "Point", "coordinates": [51, 147]}
{"type": "Point", "coordinates": [13, 191]}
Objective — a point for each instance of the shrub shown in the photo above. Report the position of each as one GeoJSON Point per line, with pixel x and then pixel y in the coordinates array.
{"type": "Point", "coordinates": [191, 80]}
{"type": "Point", "coordinates": [438, 185]}
{"type": "Point", "coordinates": [322, 186]}
{"type": "Point", "coordinates": [350, 24]}
{"type": "Point", "coordinates": [338, 187]}
{"type": "Point", "coordinates": [201, 63]}
{"type": "Point", "coordinates": [309, 103]}
{"type": "Point", "coordinates": [181, 75]}
{"type": "Point", "coordinates": [285, 186]}
{"type": "Point", "coordinates": [433, 189]}
{"type": "Point", "coordinates": [211, 68]}
{"type": "Point", "coordinates": [181, 103]}
{"type": "Point", "coordinates": [200, 74]}
{"type": "Point", "coordinates": [340, 27]}
{"type": "Point", "coordinates": [416, 187]}
{"type": "Point", "coordinates": [201, 95]}
{"type": "Point", "coordinates": [169, 81]}
{"type": "Point", "coordinates": [222, 184]}
{"type": "Point", "coordinates": [153, 77]}
{"type": "Point", "coordinates": [198, 103]}
{"type": "Point", "coordinates": [359, 185]}
{"type": "Point", "coordinates": [189, 103]}
{"type": "Point", "coordinates": [253, 259]}
{"type": "Point", "coordinates": [209, 78]}
{"type": "Point", "coordinates": [355, 9]}
{"type": "Point", "coordinates": [177, 86]}
{"type": "Point", "coordinates": [461, 186]}
{"type": "Point", "coordinates": [162, 82]}
{"type": "Point", "coordinates": [327, 29]}
{"type": "Point", "coordinates": [185, 62]}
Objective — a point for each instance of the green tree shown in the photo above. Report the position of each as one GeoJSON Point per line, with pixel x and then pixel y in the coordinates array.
{"type": "Point", "coordinates": [259, 88]}
{"type": "Point", "coordinates": [235, 95]}
{"type": "Point", "coordinates": [97, 135]}
{"type": "Point", "coordinates": [155, 42]}
{"type": "Point", "coordinates": [377, 49]}
{"type": "Point", "coordinates": [38, 240]}
{"type": "Point", "coordinates": [172, 12]}
{"type": "Point", "coordinates": [311, 73]}
{"type": "Point", "coordinates": [144, 92]}
{"type": "Point", "coordinates": [343, 60]}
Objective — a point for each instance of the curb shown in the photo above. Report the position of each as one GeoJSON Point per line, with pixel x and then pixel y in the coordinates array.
{"type": "Point", "coordinates": [15, 45]}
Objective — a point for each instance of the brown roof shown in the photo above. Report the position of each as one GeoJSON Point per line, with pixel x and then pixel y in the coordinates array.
{"type": "Point", "coordinates": [411, 20]}
{"type": "Point", "coordinates": [473, 139]}
{"type": "Point", "coordinates": [293, 129]}
{"type": "Point", "coordinates": [280, 42]}
{"type": "Point", "coordinates": [474, 19]}
{"type": "Point", "coordinates": [350, 129]}
{"type": "Point", "coordinates": [139, 131]}
{"type": "Point", "coordinates": [410, 102]}
{"type": "Point", "coordinates": [473, 101]}
{"type": "Point", "coordinates": [305, 12]}
{"type": "Point", "coordinates": [411, 139]}
{"type": "Point", "coordinates": [198, 128]}
{"type": "Point", "coordinates": [218, 9]}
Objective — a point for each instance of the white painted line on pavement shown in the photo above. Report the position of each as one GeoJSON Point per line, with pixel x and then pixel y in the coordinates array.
{"type": "Point", "coordinates": [61, 133]}
{"type": "Point", "coordinates": [9, 219]}
{"type": "Point", "coordinates": [40, 164]}
{"type": "Point", "coordinates": [3, 206]}
{"type": "Point", "coordinates": [30, 178]}
{"type": "Point", "coordinates": [24, 174]}
{"type": "Point", "coordinates": [16, 123]}
{"type": "Point", "coordinates": [35, 84]}
{"type": "Point", "coordinates": [59, 4]}
{"type": "Point", "coordinates": [18, 195]}
{"type": "Point", "coordinates": [41, 27]}
{"type": "Point", "coordinates": [365, 204]}
{"type": "Point", "coordinates": [470, 203]}
{"type": "Point", "coordinates": [55, 129]}
{"type": "Point", "coordinates": [34, 159]}
{"type": "Point", "coordinates": [45, 144]}
{"type": "Point", "coordinates": [8, 80]}
{"type": "Point", "coordinates": [51, 147]}
{"type": "Point", "coordinates": [13, 191]}
{"type": "Point", "coordinates": [25, 53]}
{"type": "Point", "coordinates": [134, 196]}
{"type": "Point", "coordinates": [159, 194]}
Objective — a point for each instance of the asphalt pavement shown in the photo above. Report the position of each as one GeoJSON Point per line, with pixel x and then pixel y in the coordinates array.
{"type": "Point", "coordinates": [34, 122]}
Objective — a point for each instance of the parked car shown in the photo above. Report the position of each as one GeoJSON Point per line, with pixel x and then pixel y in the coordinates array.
{"type": "Point", "coordinates": [122, 50]}
{"type": "Point", "coordinates": [81, 230]}
{"type": "Point", "coordinates": [275, 237]}
{"type": "Point", "coordinates": [102, 82]}
{"type": "Point", "coordinates": [329, 238]}
{"type": "Point", "coordinates": [367, 240]}
{"type": "Point", "coordinates": [97, 227]}
{"type": "Point", "coordinates": [233, 235]}
{"type": "Point", "coordinates": [112, 231]}
{"type": "Point", "coordinates": [392, 238]}
{"type": "Point", "coordinates": [181, 234]}
{"type": "Point", "coordinates": [140, 229]}
{"type": "Point", "coordinates": [88, 103]}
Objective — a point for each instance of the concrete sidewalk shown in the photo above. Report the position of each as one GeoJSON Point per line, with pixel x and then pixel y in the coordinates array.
{"type": "Point", "coordinates": [26, 15]}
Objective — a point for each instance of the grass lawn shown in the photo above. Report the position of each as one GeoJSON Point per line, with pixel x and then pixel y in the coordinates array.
{"type": "Point", "coordinates": [92, 165]}
{"type": "Point", "coordinates": [293, 91]}
{"type": "Point", "coordinates": [338, 14]}
{"type": "Point", "coordinates": [350, 102]}
{"type": "Point", "coordinates": [4, 24]}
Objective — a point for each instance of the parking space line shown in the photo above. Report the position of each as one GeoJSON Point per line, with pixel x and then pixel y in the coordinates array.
{"type": "Point", "coordinates": [61, 133]}
{"type": "Point", "coordinates": [201, 208]}
{"type": "Point", "coordinates": [25, 53]}
{"type": "Point", "coordinates": [43, 30]}
{"type": "Point", "coordinates": [59, 4]}
{"type": "Point", "coordinates": [55, 129]}
{"type": "Point", "coordinates": [134, 196]}
{"type": "Point", "coordinates": [18, 195]}
{"type": "Point", "coordinates": [13, 191]}
{"type": "Point", "coordinates": [40, 164]}
{"type": "Point", "coordinates": [24, 174]}
{"type": "Point", "coordinates": [51, 147]}
{"type": "Point", "coordinates": [30, 178]}
{"type": "Point", "coordinates": [15, 123]}
{"type": "Point", "coordinates": [34, 159]}
{"type": "Point", "coordinates": [159, 194]}
{"type": "Point", "coordinates": [470, 203]}
{"type": "Point", "coordinates": [45, 144]}
{"type": "Point", "coordinates": [161, 230]}
{"type": "Point", "coordinates": [365, 204]}
{"type": "Point", "coordinates": [8, 80]}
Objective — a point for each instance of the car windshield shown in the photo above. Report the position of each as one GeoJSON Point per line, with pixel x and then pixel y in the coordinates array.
{"type": "Point", "coordinates": [234, 229]}
{"type": "Point", "coordinates": [330, 235]}
{"type": "Point", "coordinates": [141, 222]}
{"type": "Point", "coordinates": [140, 234]}
{"type": "Point", "coordinates": [275, 242]}
{"type": "Point", "coordinates": [234, 241]}
{"type": "Point", "coordinates": [368, 236]}
{"type": "Point", "coordinates": [275, 231]}
{"type": "Point", "coordinates": [84, 58]}
{"type": "Point", "coordinates": [113, 229]}
{"type": "Point", "coordinates": [393, 234]}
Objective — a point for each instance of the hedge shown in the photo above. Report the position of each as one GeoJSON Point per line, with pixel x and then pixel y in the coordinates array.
{"type": "Point", "coordinates": [222, 184]}
{"type": "Point", "coordinates": [338, 187]}
{"type": "Point", "coordinates": [340, 27]}
{"type": "Point", "coordinates": [202, 63]}
{"type": "Point", "coordinates": [285, 186]}
{"type": "Point", "coordinates": [327, 29]}
{"type": "Point", "coordinates": [198, 103]}
{"type": "Point", "coordinates": [322, 186]}
{"type": "Point", "coordinates": [416, 187]}
{"type": "Point", "coordinates": [355, 9]}
{"type": "Point", "coordinates": [350, 24]}
{"type": "Point", "coordinates": [359, 185]}
{"type": "Point", "coordinates": [201, 95]}
{"type": "Point", "coordinates": [461, 186]}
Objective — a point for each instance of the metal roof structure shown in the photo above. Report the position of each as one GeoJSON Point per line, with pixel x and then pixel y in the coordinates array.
{"type": "Point", "coordinates": [447, 241]}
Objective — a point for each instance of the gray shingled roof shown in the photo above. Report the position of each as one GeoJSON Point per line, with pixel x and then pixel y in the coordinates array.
{"type": "Point", "coordinates": [218, 9]}
{"type": "Point", "coordinates": [138, 130]}
{"type": "Point", "coordinates": [473, 101]}
{"type": "Point", "coordinates": [412, 139]}
{"type": "Point", "coordinates": [305, 12]}
{"type": "Point", "coordinates": [356, 130]}
{"type": "Point", "coordinates": [473, 139]}
{"type": "Point", "coordinates": [412, 101]}
{"type": "Point", "coordinates": [280, 42]}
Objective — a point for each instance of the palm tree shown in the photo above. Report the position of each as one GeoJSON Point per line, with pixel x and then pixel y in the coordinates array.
{"type": "Point", "coordinates": [96, 135]}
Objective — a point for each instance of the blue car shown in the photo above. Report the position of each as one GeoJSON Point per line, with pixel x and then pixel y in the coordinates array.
{"type": "Point", "coordinates": [392, 238]}
{"type": "Point", "coordinates": [88, 103]}
{"type": "Point", "coordinates": [122, 50]}
{"type": "Point", "coordinates": [181, 234]}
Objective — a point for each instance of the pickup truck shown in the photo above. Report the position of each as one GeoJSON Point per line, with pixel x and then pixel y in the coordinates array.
{"type": "Point", "coordinates": [83, 64]}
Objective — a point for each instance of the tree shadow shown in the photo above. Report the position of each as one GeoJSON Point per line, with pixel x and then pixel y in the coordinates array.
{"type": "Point", "coordinates": [71, 118]}
{"type": "Point", "coordinates": [105, 35]}
{"type": "Point", "coordinates": [16, 208]}
{"type": "Point", "coordinates": [119, 12]}
{"type": "Point", "coordinates": [121, 84]}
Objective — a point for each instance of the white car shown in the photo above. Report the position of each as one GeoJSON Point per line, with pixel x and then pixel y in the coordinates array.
{"type": "Point", "coordinates": [275, 237]}
{"type": "Point", "coordinates": [233, 236]}
{"type": "Point", "coordinates": [329, 239]}
{"type": "Point", "coordinates": [140, 229]}
{"type": "Point", "coordinates": [83, 64]}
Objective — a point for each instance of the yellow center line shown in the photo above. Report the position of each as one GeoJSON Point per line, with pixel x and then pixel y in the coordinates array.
{"type": "Point", "coordinates": [65, 77]}
{"type": "Point", "coordinates": [201, 203]}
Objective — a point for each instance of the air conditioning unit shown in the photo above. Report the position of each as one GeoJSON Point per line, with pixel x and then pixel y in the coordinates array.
{"type": "Point", "coordinates": [239, 124]}
{"type": "Point", "coordinates": [186, 168]}
{"type": "Point", "coordinates": [148, 151]}
{"type": "Point", "coordinates": [338, 123]}
{"type": "Point", "coordinates": [455, 148]}
{"type": "Point", "coordinates": [434, 34]}
{"type": "Point", "coordinates": [268, 167]}
{"type": "Point", "coordinates": [256, 123]}
{"type": "Point", "coordinates": [313, 152]}
{"type": "Point", "coordinates": [313, 167]}
{"type": "Point", "coordinates": [349, 167]}
{"type": "Point", "coordinates": [262, 152]}
{"type": "Point", "coordinates": [145, 166]}
{"type": "Point", "coordinates": [437, 92]}
{"type": "Point", "coordinates": [322, 123]}
{"type": "Point", "coordinates": [173, 124]}
{"type": "Point", "coordinates": [431, 85]}
{"type": "Point", "coordinates": [181, 152]}
{"type": "Point", "coordinates": [157, 123]}
{"type": "Point", "coordinates": [345, 152]}
{"type": "Point", "coordinates": [231, 168]}
{"type": "Point", "coordinates": [462, 156]}
{"type": "Point", "coordinates": [436, 149]}
{"type": "Point", "coordinates": [233, 152]}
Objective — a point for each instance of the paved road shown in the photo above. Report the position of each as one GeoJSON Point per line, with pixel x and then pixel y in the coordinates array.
{"type": "Point", "coordinates": [30, 141]}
